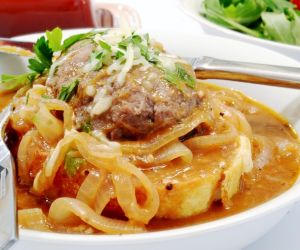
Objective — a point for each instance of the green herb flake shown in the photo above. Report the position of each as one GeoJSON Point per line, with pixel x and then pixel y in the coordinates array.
{"type": "Point", "coordinates": [45, 96]}
{"type": "Point", "coordinates": [86, 127]}
{"type": "Point", "coordinates": [149, 55]}
{"type": "Point", "coordinates": [184, 76]}
{"type": "Point", "coordinates": [75, 38]}
{"type": "Point", "coordinates": [147, 38]}
{"type": "Point", "coordinates": [136, 39]}
{"type": "Point", "coordinates": [124, 43]}
{"type": "Point", "coordinates": [15, 82]}
{"type": "Point", "coordinates": [27, 99]}
{"type": "Point", "coordinates": [179, 77]}
{"type": "Point", "coordinates": [72, 164]}
{"type": "Point", "coordinates": [68, 91]}
{"type": "Point", "coordinates": [104, 45]}
{"type": "Point", "coordinates": [119, 54]}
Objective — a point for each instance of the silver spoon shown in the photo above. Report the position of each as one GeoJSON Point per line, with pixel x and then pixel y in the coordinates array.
{"type": "Point", "coordinates": [8, 208]}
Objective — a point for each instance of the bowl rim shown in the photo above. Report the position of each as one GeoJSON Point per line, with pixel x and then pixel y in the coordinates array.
{"type": "Point", "coordinates": [285, 199]}
{"type": "Point", "coordinates": [186, 7]}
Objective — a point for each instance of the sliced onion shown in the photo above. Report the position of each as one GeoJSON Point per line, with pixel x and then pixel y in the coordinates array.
{"type": "Point", "coordinates": [48, 125]}
{"type": "Point", "coordinates": [90, 186]}
{"type": "Point", "coordinates": [33, 218]}
{"type": "Point", "coordinates": [63, 210]}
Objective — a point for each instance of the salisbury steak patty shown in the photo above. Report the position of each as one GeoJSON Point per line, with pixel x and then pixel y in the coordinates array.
{"type": "Point", "coordinates": [144, 103]}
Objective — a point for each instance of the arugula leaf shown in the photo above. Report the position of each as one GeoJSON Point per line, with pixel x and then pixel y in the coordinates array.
{"type": "Point", "coordinates": [271, 19]}
{"type": "Point", "coordinates": [283, 27]}
{"type": "Point", "coordinates": [278, 5]}
{"type": "Point", "coordinates": [278, 27]}
{"type": "Point", "coordinates": [68, 91]}
{"type": "Point", "coordinates": [242, 12]}
{"type": "Point", "coordinates": [43, 58]}
{"type": "Point", "coordinates": [72, 164]}
{"type": "Point", "coordinates": [54, 38]}
{"type": "Point", "coordinates": [14, 82]}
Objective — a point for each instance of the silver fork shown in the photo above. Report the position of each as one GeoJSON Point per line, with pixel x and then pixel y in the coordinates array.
{"type": "Point", "coordinates": [8, 209]}
{"type": "Point", "coordinates": [273, 75]}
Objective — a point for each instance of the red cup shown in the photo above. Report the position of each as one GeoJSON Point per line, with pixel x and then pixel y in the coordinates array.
{"type": "Point", "coordinates": [28, 16]}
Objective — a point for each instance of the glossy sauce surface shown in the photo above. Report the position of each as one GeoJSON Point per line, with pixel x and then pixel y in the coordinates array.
{"type": "Point", "coordinates": [5, 99]}
{"type": "Point", "coordinates": [260, 185]}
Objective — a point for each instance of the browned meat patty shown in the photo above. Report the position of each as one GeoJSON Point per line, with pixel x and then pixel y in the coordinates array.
{"type": "Point", "coordinates": [145, 103]}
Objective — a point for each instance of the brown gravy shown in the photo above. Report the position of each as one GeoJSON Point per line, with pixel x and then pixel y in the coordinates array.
{"type": "Point", "coordinates": [5, 99]}
{"type": "Point", "coordinates": [257, 187]}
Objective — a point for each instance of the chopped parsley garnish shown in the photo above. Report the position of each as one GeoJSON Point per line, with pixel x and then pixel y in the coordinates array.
{"type": "Point", "coordinates": [54, 38]}
{"type": "Point", "coordinates": [75, 38]}
{"type": "Point", "coordinates": [86, 127]}
{"type": "Point", "coordinates": [136, 39]}
{"type": "Point", "coordinates": [105, 45]}
{"type": "Point", "coordinates": [43, 54]}
{"type": "Point", "coordinates": [68, 91]}
{"type": "Point", "coordinates": [184, 76]}
{"type": "Point", "coordinates": [45, 96]}
{"type": "Point", "coordinates": [72, 164]}
{"type": "Point", "coordinates": [179, 77]}
{"type": "Point", "coordinates": [27, 99]}
{"type": "Point", "coordinates": [14, 82]}
{"type": "Point", "coordinates": [119, 54]}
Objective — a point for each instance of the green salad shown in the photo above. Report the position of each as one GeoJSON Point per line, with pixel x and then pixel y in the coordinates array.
{"type": "Point", "coordinates": [277, 20]}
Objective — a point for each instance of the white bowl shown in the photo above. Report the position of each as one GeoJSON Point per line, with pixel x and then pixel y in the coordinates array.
{"type": "Point", "coordinates": [233, 232]}
{"type": "Point", "coordinates": [193, 8]}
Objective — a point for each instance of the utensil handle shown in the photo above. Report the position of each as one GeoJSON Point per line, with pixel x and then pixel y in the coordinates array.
{"type": "Point", "coordinates": [212, 68]}
{"type": "Point", "coordinates": [8, 213]}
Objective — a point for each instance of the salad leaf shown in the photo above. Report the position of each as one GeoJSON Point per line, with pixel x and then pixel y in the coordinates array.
{"type": "Point", "coordinates": [276, 20]}
{"type": "Point", "coordinates": [278, 5]}
{"type": "Point", "coordinates": [280, 28]}
{"type": "Point", "coordinates": [242, 12]}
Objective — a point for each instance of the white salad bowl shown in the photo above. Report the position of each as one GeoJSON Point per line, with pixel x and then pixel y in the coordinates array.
{"type": "Point", "coordinates": [233, 232]}
{"type": "Point", "coordinates": [193, 9]}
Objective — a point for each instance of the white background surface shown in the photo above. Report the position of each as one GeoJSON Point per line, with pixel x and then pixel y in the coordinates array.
{"type": "Point", "coordinates": [167, 14]}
